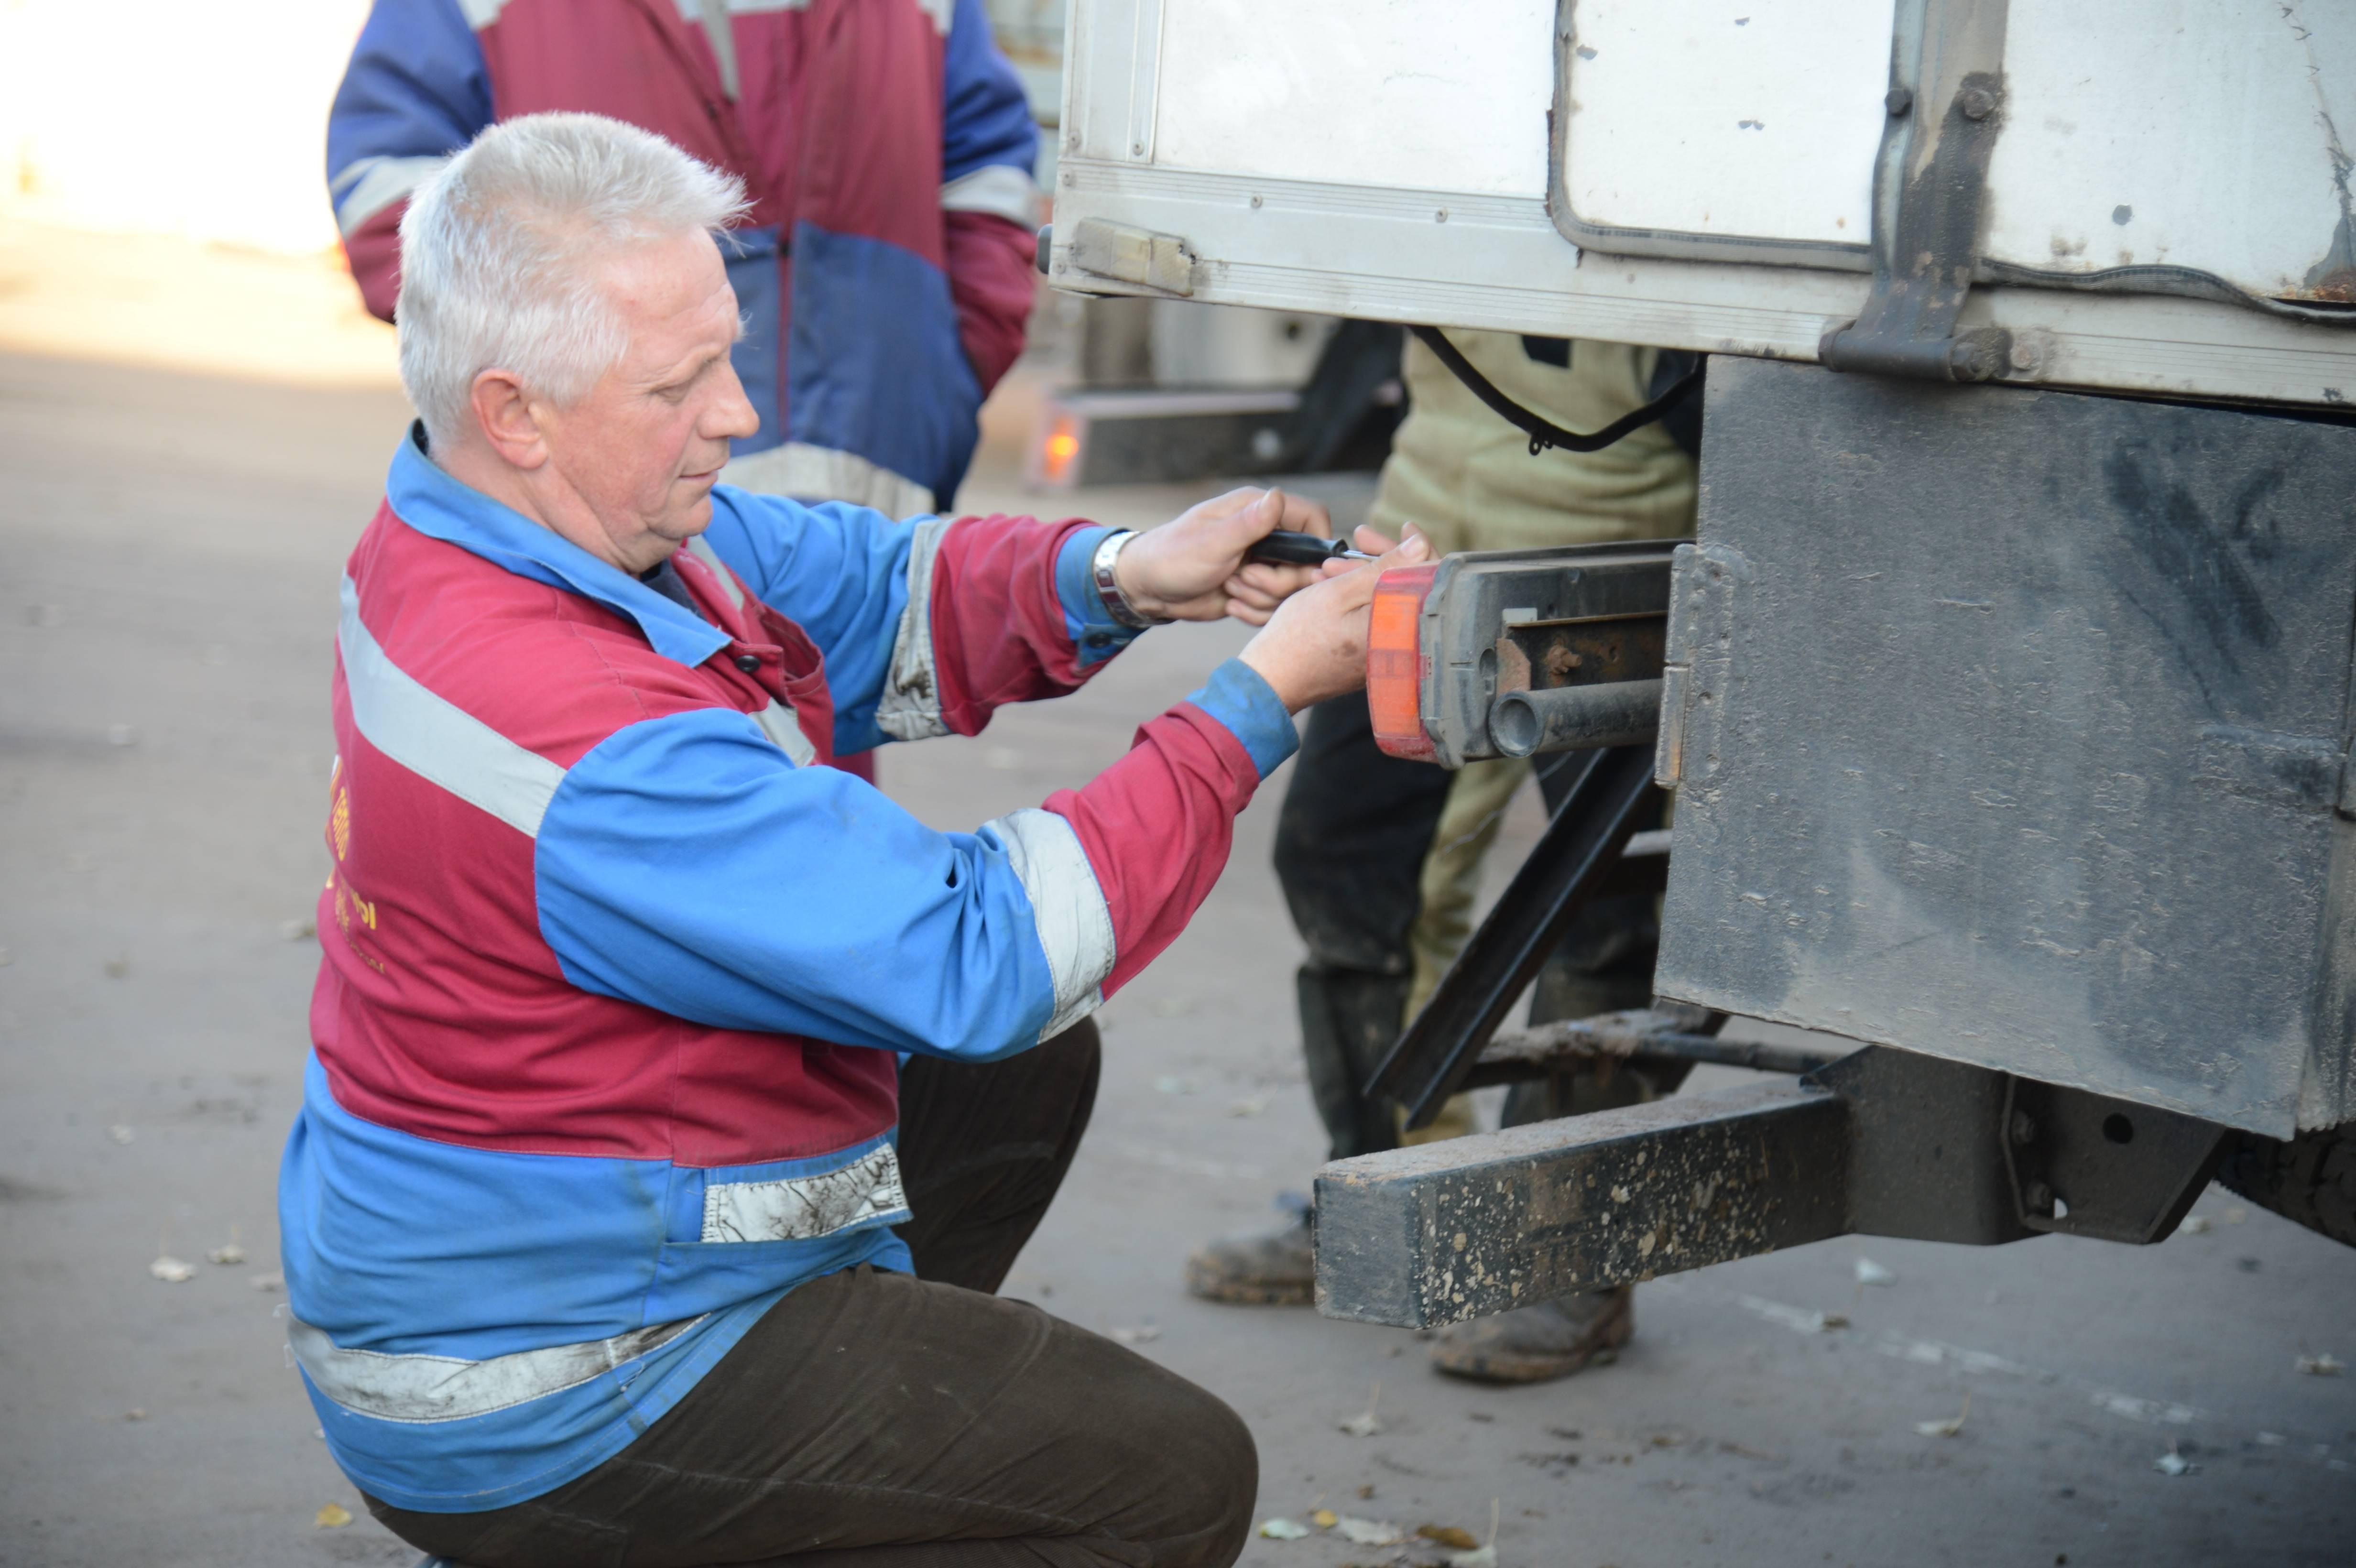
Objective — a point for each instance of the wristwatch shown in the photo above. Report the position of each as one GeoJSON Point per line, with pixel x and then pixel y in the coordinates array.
{"type": "Point", "coordinates": [1116, 603]}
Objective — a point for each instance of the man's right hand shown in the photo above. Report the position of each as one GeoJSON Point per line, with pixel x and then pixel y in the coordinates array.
{"type": "Point", "coordinates": [1314, 645]}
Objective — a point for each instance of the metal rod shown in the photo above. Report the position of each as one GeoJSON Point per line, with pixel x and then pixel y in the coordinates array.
{"type": "Point", "coordinates": [1576, 718]}
{"type": "Point", "coordinates": [1511, 1058]}
{"type": "Point", "coordinates": [1581, 845]}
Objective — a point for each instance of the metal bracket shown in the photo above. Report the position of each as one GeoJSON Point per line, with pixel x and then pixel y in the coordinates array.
{"type": "Point", "coordinates": [1883, 1142]}
{"type": "Point", "coordinates": [1131, 255]}
{"type": "Point", "coordinates": [1579, 852]}
{"type": "Point", "coordinates": [2086, 1164]}
{"type": "Point", "coordinates": [1945, 108]}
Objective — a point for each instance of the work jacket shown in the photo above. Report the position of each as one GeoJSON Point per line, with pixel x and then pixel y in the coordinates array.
{"type": "Point", "coordinates": [617, 974]}
{"type": "Point", "coordinates": [884, 269]}
{"type": "Point", "coordinates": [1469, 480]}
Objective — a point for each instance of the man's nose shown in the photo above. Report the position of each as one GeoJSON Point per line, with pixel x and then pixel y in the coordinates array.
{"type": "Point", "coordinates": [731, 415]}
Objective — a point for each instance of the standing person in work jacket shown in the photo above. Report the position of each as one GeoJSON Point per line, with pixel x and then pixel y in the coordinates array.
{"type": "Point", "coordinates": [883, 264]}
{"type": "Point", "coordinates": [674, 1105]}
{"type": "Point", "coordinates": [1380, 858]}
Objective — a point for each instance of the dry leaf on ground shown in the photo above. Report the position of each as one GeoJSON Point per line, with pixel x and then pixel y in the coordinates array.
{"type": "Point", "coordinates": [1948, 1427]}
{"type": "Point", "coordinates": [334, 1516]}
{"type": "Point", "coordinates": [1283, 1529]}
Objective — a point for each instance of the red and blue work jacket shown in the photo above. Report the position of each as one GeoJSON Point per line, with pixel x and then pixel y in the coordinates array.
{"type": "Point", "coordinates": [619, 974]}
{"type": "Point", "coordinates": [884, 271]}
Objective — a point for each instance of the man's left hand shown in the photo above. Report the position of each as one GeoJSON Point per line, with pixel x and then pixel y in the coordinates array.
{"type": "Point", "coordinates": [1193, 569]}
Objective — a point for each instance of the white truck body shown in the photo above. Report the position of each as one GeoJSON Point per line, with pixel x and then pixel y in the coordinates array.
{"type": "Point", "coordinates": [1430, 163]}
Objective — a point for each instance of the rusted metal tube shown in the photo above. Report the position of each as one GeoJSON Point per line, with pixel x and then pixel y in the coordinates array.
{"type": "Point", "coordinates": [1576, 717]}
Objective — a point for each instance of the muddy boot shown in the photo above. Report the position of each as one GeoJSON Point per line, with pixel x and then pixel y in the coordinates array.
{"type": "Point", "coordinates": [1532, 1344]}
{"type": "Point", "coordinates": [1261, 1268]}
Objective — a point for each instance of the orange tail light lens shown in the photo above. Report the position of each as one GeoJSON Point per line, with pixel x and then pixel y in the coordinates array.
{"type": "Point", "coordinates": [1395, 662]}
{"type": "Point", "coordinates": [1054, 460]}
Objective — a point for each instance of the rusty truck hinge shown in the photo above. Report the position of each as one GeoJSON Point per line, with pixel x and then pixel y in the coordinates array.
{"type": "Point", "coordinates": [1946, 108]}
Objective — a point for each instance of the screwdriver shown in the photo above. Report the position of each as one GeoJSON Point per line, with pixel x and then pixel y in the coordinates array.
{"type": "Point", "coordinates": [1284, 548]}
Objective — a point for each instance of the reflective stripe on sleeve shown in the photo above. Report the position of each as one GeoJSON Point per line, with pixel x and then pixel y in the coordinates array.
{"type": "Point", "coordinates": [365, 187]}
{"type": "Point", "coordinates": [910, 707]}
{"type": "Point", "coordinates": [435, 739]}
{"type": "Point", "coordinates": [424, 1389]}
{"type": "Point", "coordinates": [1000, 189]}
{"type": "Point", "coordinates": [805, 1208]}
{"type": "Point", "coordinates": [1074, 923]}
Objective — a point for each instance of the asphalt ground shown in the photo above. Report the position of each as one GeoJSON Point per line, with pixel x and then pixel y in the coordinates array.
{"type": "Point", "coordinates": [172, 543]}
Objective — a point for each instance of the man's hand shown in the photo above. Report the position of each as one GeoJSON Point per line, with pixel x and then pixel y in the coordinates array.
{"type": "Point", "coordinates": [1193, 569]}
{"type": "Point", "coordinates": [1314, 645]}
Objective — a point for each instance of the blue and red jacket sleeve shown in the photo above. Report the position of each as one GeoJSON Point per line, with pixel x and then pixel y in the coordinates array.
{"type": "Point", "coordinates": [927, 625]}
{"type": "Point", "coordinates": [687, 865]}
{"type": "Point", "coordinates": [990, 202]}
{"type": "Point", "coordinates": [416, 90]}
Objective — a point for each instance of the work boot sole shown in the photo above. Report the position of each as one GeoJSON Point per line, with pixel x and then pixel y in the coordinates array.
{"type": "Point", "coordinates": [1497, 1364]}
{"type": "Point", "coordinates": [1213, 1286]}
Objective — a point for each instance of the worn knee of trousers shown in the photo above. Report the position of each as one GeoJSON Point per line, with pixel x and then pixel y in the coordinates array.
{"type": "Point", "coordinates": [1224, 1482]}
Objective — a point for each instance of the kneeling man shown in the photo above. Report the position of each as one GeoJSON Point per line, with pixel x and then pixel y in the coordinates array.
{"type": "Point", "coordinates": [678, 1100]}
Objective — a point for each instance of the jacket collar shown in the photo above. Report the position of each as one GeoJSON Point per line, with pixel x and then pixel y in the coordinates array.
{"type": "Point", "coordinates": [428, 499]}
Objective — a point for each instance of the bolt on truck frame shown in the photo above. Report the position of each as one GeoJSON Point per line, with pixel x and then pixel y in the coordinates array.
{"type": "Point", "coordinates": [2006, 688]}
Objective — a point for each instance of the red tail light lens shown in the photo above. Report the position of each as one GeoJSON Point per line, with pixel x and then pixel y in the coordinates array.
{"type": "Point", "coordinates": [1395, 662]}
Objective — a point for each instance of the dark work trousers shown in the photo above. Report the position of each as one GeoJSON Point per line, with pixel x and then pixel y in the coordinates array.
{"type": "Point", "coordinates": [876, 1420]}
{"type": "Point", "coordinates": [1350, 846]}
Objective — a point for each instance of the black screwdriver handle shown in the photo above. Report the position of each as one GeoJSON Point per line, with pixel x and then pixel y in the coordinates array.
{"type": "Point", "coordinates": [1285, 547]}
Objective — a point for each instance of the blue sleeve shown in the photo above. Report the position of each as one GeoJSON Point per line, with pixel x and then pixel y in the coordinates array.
{"type": "Point", "coordinates": [417, 89]}
{"type": "Point", "coordinates": [985, 118]}
{"type": "Point", "coordinates": [839, 573]}
{"type": "Point", "coordinates": [686, 866]}
{"type": "Point", "coordinates": [1240, 697]}
{"type": "Point", "coordinates": [1094, 632]}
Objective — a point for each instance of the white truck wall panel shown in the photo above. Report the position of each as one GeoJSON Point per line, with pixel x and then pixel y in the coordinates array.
{"type": "Point", "coordinates": [2197, 133]}
{"type": "Point", "coordinates": [1470, 117]}
{"type": "Point", "coordinates": [1754, 118]}
{"type": "Point", "coordinates": [1388, 161]}
{"type": "Point", "coordinates": [2200, 133]}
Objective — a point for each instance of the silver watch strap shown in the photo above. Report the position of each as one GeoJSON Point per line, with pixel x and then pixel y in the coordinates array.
{"type": "Point", "coordinates": [1116, 603]}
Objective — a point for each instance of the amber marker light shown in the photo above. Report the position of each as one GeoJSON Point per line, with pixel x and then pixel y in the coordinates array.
{"type": "Point", "coordinates": [1395, 662]}
{"type": "Point", "coordinates": [1059, 451]}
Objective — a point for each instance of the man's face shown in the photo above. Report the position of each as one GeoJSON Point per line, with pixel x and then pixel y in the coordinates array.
{"type": "Point", "coordinates": [641, 450]}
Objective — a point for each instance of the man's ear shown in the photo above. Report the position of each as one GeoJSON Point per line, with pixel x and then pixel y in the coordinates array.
{"type": "Point", "coordinates": [503, 412]}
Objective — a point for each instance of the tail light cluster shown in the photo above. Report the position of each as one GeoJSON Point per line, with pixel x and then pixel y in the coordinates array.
{"type": "Point", "coordinates": [1397, 663]}
{"type": "Point", "coordinates": [1508, 653]}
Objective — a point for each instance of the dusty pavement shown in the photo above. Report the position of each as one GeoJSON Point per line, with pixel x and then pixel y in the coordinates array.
{"type": "Point", "coordinates": [165, 613]}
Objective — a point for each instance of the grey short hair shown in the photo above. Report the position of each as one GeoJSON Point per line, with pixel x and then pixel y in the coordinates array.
{"type": "Point", "coordinates": [493, 250]}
